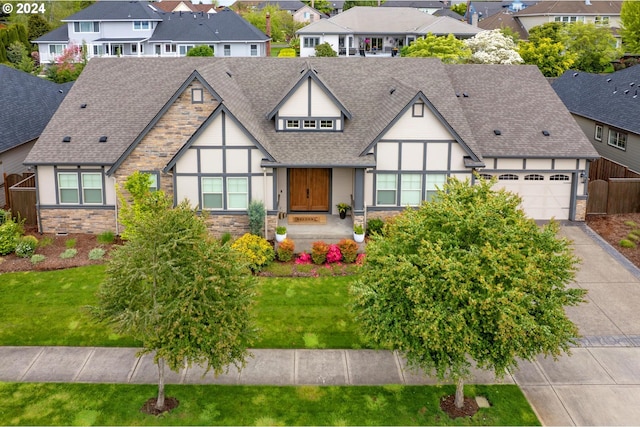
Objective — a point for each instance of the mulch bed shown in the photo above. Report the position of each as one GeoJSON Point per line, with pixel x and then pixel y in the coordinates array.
{"type": "Point", "coordinates": [469, 407]}
{"type": "Point", "coordinates": [612, 228]}
{"type": "Point", "coordinates": [149, 406]}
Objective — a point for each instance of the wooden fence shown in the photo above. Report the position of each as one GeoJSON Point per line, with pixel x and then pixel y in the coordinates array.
{"type": "Point", "coordinates": [604, 169]}
{"type": "Point", "coordinates": [615, 196]}
{"type": "Point", "coordinates": [20, 192]}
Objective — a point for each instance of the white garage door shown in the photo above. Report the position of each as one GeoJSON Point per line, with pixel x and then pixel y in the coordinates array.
{"type": "Point", "coordinates": [544, 196]}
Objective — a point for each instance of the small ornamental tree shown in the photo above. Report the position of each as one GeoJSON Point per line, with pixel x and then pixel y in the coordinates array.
{"type": "Point", "coordinates": [184, 295]}
{"type": "Point", "coordinates": [630, 26]}
{"type": "Point", "coordinates": [468, 277]}
{"type": "Point", "coordinates": [493, 47]}
{"type": "Point", "coordinates": [325, 50]}
{"type": "Point", "coordinates": [551, 57]}
{"type": "Point", "coordinates": [201, 50]}
{"type": "Point", "coordinates": [449, 49]}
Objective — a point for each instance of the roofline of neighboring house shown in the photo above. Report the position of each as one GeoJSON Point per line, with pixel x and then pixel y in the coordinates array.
{"type": "Point", "coordinates": [115, 20]}
{"type": "Point", "coordinates": [18, 145]}
{"type": "Point", "coordinates": [604, 122]}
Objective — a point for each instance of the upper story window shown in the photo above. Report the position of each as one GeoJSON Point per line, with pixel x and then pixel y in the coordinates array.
{"type": "Point", "coordinates": [86, 27]}
{"type": "Point", "coordinates": [418, 109]}
{"type": "Point", "coordinates": [309, 124]}
{"type": "Point", "coordinates": [311, 41]}
{"type": "Point", "coordinates": [569, 19]}
{"type": "Point", "coordinates": [254, 50]}
{"type": "Point", "coordinates": [617, 139]}
{"type": "Point", "coordinates": [598, 134]}
{"type": "Point", "coordinates": [601, 20]}
{"type": "Point", "coordinates": [141, 25]}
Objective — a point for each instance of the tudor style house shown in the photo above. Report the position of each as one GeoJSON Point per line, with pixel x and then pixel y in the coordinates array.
{"type": "Point", "coordinates": [302, 135]}
{"type": "Point", "coordinates": [139, 28]}
{"type": "Point", "coordinates": [607, 108]}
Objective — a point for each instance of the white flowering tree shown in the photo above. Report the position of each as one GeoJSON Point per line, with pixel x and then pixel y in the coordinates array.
{"type": "Point", "coordinates": [493, 47]}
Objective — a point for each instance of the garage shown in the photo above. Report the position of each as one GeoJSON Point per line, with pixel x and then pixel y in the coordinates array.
{"type": "Point", "coordinates": [544, 195]}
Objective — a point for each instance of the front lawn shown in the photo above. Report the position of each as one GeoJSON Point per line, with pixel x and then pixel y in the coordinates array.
{"type": "Point", "coordinates": [109, 404]}
{"type": "Point", "coordinates": [49, 308]}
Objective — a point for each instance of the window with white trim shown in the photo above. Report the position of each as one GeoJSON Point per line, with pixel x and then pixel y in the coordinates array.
{"type": "Point", "coordinates": [98, 50]}
{"type": "Point", "coordinates": [57, 49]}
{"type": "Point", "coordinates": [598, 134]}
{"type": "Point", "coordinates": [309, 124]}
{"type": "Point", "coordinates": [141, 25]}
{"type": "Point", "coordinates": [534, 177]}
{"type": "Point", "coordinates": [326, 124]}
{"type": "Point", "coordinates": [212, 193]}
{"type": "Point", "coordinates": [293, 124]}
{"type": "Point", "coordinates": [433, 183]}
{"type": "Point", "coordinates": [617, 139]}
{"type": "Point", "coordinates": [86, 27]}
{"type": "Point", "coordinates": [227, 50]}
{"type": "Point", "coordinates": [569, 19]}
{"type": "Point", "coordinates": [254, 50]}
{"type": "Point", "coordinates": [237, 193]}
{"type": "Point", "coordinates": [411, 189]}
{"type": "Point", "coordinates": [311, 41]}
{"type": "Point", "coordinates": [170, 48]}
{"type": "Point", "coordinates": [386, 187]}
{"type": "Point", "coordinates": [601, 20]}
{"type": "Point", "coordinates": [92, 188]}
{"type": "Point", "coordinates": [80, 188]}
{"type": "Point", "coordinates": [559, 177]}
{"type": "Point", "coordinates": [184, 49]}
{"type": "Point", "coordinates": [68, 187]}
{"type": "Point", "coordinates": [508, 177]}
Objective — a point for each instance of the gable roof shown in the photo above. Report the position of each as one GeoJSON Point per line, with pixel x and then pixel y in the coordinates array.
{"type": "Point", "coordinates": [116, 11]}
{"type": "Point", "coordinates": [602, 98]}
{"type": "Point", "coordinates": [251, 87]}
{"type": "Point", "coordinates": [560, 7]}
{"type": "Point", "coordinates": [60, 34]}
{"type": "Point", "coordinates": [504, 19]}
{"type": "Point", "coordinates": [28, 102]}
{"type": "Point", "coordinates": [290, 5]}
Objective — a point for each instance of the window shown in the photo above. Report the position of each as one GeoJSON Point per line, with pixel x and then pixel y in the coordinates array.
{"type": "Point", "coordinates": [141, 25]}
{"type": "Point", "coordinates": [418, 109]}
{"type": "Point", "coordinates": [386, 189]}
{"type": "Point", "coordinates": [158, 49]}
{"type": "Point", "coordinates": [134, 48]}
{"type": "Point", "coordinates": [309, 124]}
{"type": "Point", "coordinates": [569, 19]}
{"type": "Point", "coordinates": [86, 27]}
{"type": "Point", "coordinates": [227, 50]}
{"type": "Point", "coordinates": [602, 20]}
{"type": "Point", "coordinates": [559, 178]}
{"type": "Point", "coordinates": [56, 49]}
{"type": "Point", "coordinates": [98, 50]}
{"type": "Point", "coordinates": [212, 193]}
{"type": "Point", "coordinates": [169, 48]}
{"type": "Point", "coordinates": [311, 41]}
{"type": "Point", "coordinates": [155, 181]}
{"type": "Point", "coordinates": [293, 124]}
{"type": "Point", "coordinates": [411, 189]}
{"type": "Point", "coordinates": [433, 183]}
{"type": "Point", "coordinates": [326, 124]}
{"type": "Point", "coordinates": [534, 177]}
{"type": "Point", "coordinates": [254, 50]}
{"type": "Point", "coordinates": [68, 187]}
{"type": "Point", "coordinates": [92, 188]}
{"type": "Point", "coordinates": [598, 134]}
{"type": "Point", "coordinates": [183, 49]}
{"type": "Point", "coordinates": [196, 96]}
{"type": "Point", "coordinates": [617, 139]}
{"type": "Point", "coordinates": [485, 176]}
{"type": "Point", "coordinates": [237, 193]}
{"type": "Point", "coordinates": [117, 49]}
{"type": "Point", "coordinates": [508, 177]}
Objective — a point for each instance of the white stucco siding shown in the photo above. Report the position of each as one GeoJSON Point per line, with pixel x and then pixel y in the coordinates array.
{"type": "Point", "coordinates": [540, 164]}
{"type": "Point", "coordinates": [210, 161]}
{"type": "Point", "coordinates": [369, 197]}
{"type": "Point", "coordinates": [412, 156]}
{"type": "Point", "coordinates": [188, 162]}
{"type": "Point", "coordinates": [565, 164]}
{"type": "Point", "coordinates": [256, 160]}
{"type": "Point", "coordinates": [427, 127]}
{"type": "Point", "coordinates": [258, 191]}
{"type": "Point", "coordinates": [46, 185]}
{"type": "Point", "coordinates": [188, 188]}
{"type": "Point", "coordinates": [281, 180]}
{"type": "Point", "coordinates": [457, 157]}
{"type": "Point", "coordinates": [341, 187]}
{"type": "Point", "coordinates": [234, 134]}
{"type": "Point", "coordinates": [237, 161]}
{"type": "Point", "coordinates": [387, 156]}
{"type": "Point", "coordinates": [321, 104]}
{"type": "Point", "coordinates": [510, 164]}
{"type": "Point", "coordinates": [437, 156]}
{"type": "Point", "coordinates": [211, 135]}
{"type": "Point", "coordinates": [298, 103]}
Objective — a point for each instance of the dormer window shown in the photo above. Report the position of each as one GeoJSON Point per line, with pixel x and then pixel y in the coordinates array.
{"type": "Point", "coordinates": [309, 124]}
{"type": "Point", "coordinates": [326, 124]}
{"type": "Point", "coordinates": [141, 25]}
{"type": "Point", "coordinates": [293, 124]}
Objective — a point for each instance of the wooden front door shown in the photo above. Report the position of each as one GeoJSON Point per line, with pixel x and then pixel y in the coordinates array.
{"type": "Point", "coordinates": [309, 190]}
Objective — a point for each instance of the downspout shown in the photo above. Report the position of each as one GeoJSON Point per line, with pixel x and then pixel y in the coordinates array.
{"type": "Point", "coordinates": [115, 186]}
{"type": "Point", "coordinates": [264, 197]}
{"type": "Point", "coordinates": [38, 211]}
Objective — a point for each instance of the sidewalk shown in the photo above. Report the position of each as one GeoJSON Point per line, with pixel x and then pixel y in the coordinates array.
{"type": "Point", "coordinates": [599, 384]}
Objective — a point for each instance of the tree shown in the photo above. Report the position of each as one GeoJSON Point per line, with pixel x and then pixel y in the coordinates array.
{"type": "Point", "coordinates": [325, 49]}
{"type": "Point", "coordinates": [323, 6]}
{"type": "Point", "coordinates": [201, 50]}
{"type": "Point", "coordinates": [468, 276]}
{"type": "Point", "coordinates": [630, 26]}
{"type": "Point", "coordinates": [184, 295]}
{"type": "Point", "coordinates": [447, 48]}
{"type": "Point", "coordinates": [493, 47]}
{"type": "Point", "coordinates": [37, 26]}
{"type": "Point", "coordinates": [460, 9]}
{"type": "Point", "coordinates": [348, 4]}
{"type": "Point", "coordinates": [551, 57]}
{"type": "Point", "coordinates": [283, 28]}
{"type": "Point", "coordinates": [69, 65]}
{"type": "Point", "coordinates": [594, 47]}
{"type": "Point", "coordinates": [550, 30]}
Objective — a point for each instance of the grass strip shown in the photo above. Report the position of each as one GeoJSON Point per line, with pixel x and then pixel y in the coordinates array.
{"type": "Point", "coordinates": [111, 404]}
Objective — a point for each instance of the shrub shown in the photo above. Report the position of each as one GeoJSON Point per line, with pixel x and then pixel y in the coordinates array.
{"type": "Point", "coordinates": [632, 236]}
{"type": "Point", "coordinates": [325, 50]}
{"type": "Point", "coordinates": [285, 250]}
{"type": "Point", "coordinates": [10, 232]}
{"type": "Point", "coordinates": [349, 250]}
{"type": "Point", "coordinates": [287, 52]}
{"type": "Point", "coordinates": [627, 243]}
{"type": "Point", "coordinates": [96, 254]}
{"type": "Point", "coordinates": [360, 259]}
{"type": "Point", "coordinates": [70, 243]}
{"type": "Point", "coordinates": [45, 241]}
{"type": "Point", "coordinates": [26, 246]}
{"type": "Point", "coordinates": [37, 258]}
{"type": "Point", "coordinates": [225, 238]}
{"type": "Point", "coordinates": [631, 224]}
{"type": "Point", "coordinates": [257, 250]}
{"type": "Point", "coordinates": [256, 217]}
{"type": "Point", "coordinates": [334, 254]}
{"type": "Point", "coordinates": [319, 252]}
{"type": "Point", "coordinates": [374, 226]}
{"type": "Point", "coordinates": [303, 258]}
{"type": "Point", "coordinates": [106, 237]}
{"type": "Point", "coordinates": [69, 253]}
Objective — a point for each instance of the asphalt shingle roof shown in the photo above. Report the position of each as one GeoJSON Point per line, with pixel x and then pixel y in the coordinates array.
{"type": "Point", "coordinates": [251, 87]}
{"type": "Point", "coordinates": [28, 102]}
{"type": "Point", "coordinates": [612, 99]}
{"type": "Point", "coordinates": [116, 11]}
{"type": "Point", "coordinates": [60, 34]}
{"type": "Point", "coordinates": [580, 7]}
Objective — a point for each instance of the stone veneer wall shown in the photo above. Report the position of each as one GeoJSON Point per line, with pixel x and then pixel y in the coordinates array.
{"type": "Point", "coordinates": [581, 210]}
{"type": "Point", "coordinates": [237, 225]}
{"type": "Point", "coordinates": [92, 221]}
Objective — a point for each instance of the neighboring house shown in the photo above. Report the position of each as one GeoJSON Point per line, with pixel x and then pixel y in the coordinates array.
{"type": "Point", "coordinates": [377, 30]}
{"type": "Point", "coordinates": [607, 108]}
{"type": "Point", "coordinates": [308, 14]}
{"type": "Point", "coordinates": [28, 102]}
{"type": "Point", "coordinates": [184, 6]}
{"type": "Point", "coordinates": [427, 6]}
{"type": "Point", "coordinates": [302, 135]}
{"type": "Point", "coordinates": [121, 28]}
{"type": "Point", "coordinates": [290, 6]}
{"type": "Point", "coordinates": [504, 19]}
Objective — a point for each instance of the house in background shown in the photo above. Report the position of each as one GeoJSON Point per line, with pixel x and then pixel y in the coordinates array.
{"type": "Point", "coordinates": [184, 6]}
{"type": "Point", "coordinates": [426, 6]}
{"type": "Point", "coordinates": [607, 108]}
{"type": "Point", "coordinates": [28, 102]}
{"type": "Point", "coordinates": [377, 30]}
{"type": "Point", "coordinates": [302, 135]}
{"type": "Point", "coordinates": [121, 28]}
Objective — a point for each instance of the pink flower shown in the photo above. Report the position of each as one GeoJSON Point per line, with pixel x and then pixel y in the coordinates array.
{"type": "Point", "coordinates": [303, 258]}
{"type": "Point", "coordinates": [360, 259]}
{"type": "Point", "coordinates": [334, 254]}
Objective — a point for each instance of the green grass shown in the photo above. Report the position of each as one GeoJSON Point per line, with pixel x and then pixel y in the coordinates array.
{"type": "Point", "coordinates": [109, 404]}
{"type": "Point", "coordinates": [49, 308]}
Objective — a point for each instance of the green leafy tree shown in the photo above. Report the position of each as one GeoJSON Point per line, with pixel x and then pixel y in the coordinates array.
{"type": "Point", "coordinates": [551, 57]}
{"type": "Point", "coordinates": [348, 4]}
{"type": "Point", "coordinates": [283, 27]}
{"type": "Point", "coordinates": [468, 276]}
{"type": "Point", "coordinates": [201, 50]}
{"type": "Point", "coordinates": [449, 49]}
{"type": "Point", "coordinates": [184, 295]}
{"type": "Point", "coordinates": [323, 6]}
{"type": "Point", "coordinates": [594, 47]}
{"type": "Point", "coordinates": [37, 26]}
{"type": "Point", "coordinates": [460, 8]}
{"type": "Point", "coordinates": [630, 26]}
{"type": "Point", "coordinates": [550, 30]}
{"type": "Point", "coordinates": [69, 65]}
{"type": "Point", "coordinates": [325, 49]}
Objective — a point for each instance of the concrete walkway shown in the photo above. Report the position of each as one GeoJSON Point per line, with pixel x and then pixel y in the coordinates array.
{"type": "Point", "coordinates": [599, 384]}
